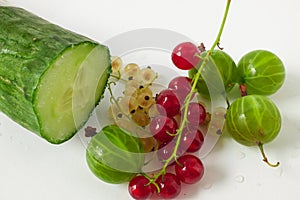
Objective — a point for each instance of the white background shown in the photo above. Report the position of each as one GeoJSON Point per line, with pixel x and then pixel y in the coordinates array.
{"type": "Point", "coordinates": [32, 169]}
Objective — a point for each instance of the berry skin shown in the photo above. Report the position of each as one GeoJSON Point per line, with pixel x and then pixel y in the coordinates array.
{"type": "Point", "coordinates": [166, 150]}
{"type": "Point", "coordinates": [139, 188]}
{"type": "Point", "coordinates": [162, 127]}
{"type": "Point", "coordinates": [169, 185]}
{"type": "Point", "coordinates": [191, 140]}
{"type": "Point", "coordinates": [169, 102]}
{"type": "Point", "coordinates": [182, 86]}
{"type": "Point", "coordinates": [196, 115]}
{"type": "Point", "coordinates": [189, 169]}
{"type": "Point", "coordinates": [184, 55]}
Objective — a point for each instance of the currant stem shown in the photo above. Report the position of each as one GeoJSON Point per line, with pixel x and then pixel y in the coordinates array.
{"type": "Point", "coordinates": [265, 159]}
{"type": "Point", "coordinates": [190, 95]}
{"type": "Point", "coordinates": [217, 41]}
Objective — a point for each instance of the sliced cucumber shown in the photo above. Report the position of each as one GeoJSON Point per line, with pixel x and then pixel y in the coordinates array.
{"type": "Point", "coordinates": [69, 89]}
{"type": "Point", "coordinates": [50, 78]}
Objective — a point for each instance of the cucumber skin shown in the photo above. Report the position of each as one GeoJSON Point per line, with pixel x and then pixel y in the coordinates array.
{"type": "Point", "coordinates": [28, 46]}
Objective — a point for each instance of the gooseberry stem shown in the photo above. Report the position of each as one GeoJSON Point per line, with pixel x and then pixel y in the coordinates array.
{"type": "Point", "coordinates": [265, 159]}
{"type": "Point", "coordinates": [190, 95]}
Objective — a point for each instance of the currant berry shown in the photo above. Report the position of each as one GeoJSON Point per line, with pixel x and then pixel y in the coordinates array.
{"type": "Point", "coordinates": [165, 151]}
{"type": "Point", "coordinates": [149, 143]}
{"type": "Point", "coordinates": [189, 169]}
{"type": "Point", "coordinates": [191, 140]}
{"type": "Point", "coordinates": [182, 86]}
{"type": "Point", "coordinates": [140, 117]}
{"type": "Point", "coordinates": [116, 63]}
{"type": "Point", "coordinates": [146, 76]}
{"type": "Point", "coordinates": [163, 128]}
{"type": "Point", "coordinates": [169, 185]}
{"type": "Point", "coordinates": [144, 98]}
{"type": "Point", "coordinates": [169, 102]}
{"type": "Point", "coordinates": [140, 188]}
{"type": "Point", "coordinates": [196, 115]}
{"type": "Point", "coordinates": [184, 55]}
{"type": "Point", "coordinates": [131, 70]}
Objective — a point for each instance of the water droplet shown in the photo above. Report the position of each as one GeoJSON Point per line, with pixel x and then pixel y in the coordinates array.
{"type": "Point", "coordinates": [207, 186]}
{"type": "Point", "coordinates": [239, 179]}
{"type": "Point", "coordinates": [241, 155]}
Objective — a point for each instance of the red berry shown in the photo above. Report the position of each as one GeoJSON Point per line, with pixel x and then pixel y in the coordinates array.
{"type": "Point", "coordinates": [169, 185]}
{"type": "Point", "coordinates": [196, 115]}
{"type": "Point", "coordinates": [181, 86]}
{"type": "Point", "coordinates": [163, 128]}
{"type": "Point", "coordinates": [139, 188]}
{"type": "Point", "coordinates": [167, 150]}
{"type": "Point", "coordinates": [191, 140]}
{"type": "Point", "coordinates": [184, 55]}
{"type": "Point", "coordinates": [169, 102]}
{"type": "Point", "coordinates": [189, 169]}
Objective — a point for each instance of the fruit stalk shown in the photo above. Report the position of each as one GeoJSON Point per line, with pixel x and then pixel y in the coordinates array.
{"type": "Point", "coordinates": [265, 159]}
{"type": "Point", "coordinates": [190, 95]}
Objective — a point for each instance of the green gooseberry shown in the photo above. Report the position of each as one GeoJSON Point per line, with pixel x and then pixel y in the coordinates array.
{"type": "Point", "coordinates": [253, 120]}
{"type": "Point", "coordinates": [261, 71]}
{"type": "Point", "coordinates": [115, 156]}
{"type": "Point", "coordinates": [227, 71]}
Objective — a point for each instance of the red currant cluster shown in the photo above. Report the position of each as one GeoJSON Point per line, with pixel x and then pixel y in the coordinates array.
{"type": "Point", "coordinates": [188, 169]}
{"type": "Point", "coordinates": [173, 144]}
{"type": "Point", "coordinates": [164, 126]}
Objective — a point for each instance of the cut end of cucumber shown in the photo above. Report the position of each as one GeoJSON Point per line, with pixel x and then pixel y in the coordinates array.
{"type": "Point", "coordinates": [70, 89]}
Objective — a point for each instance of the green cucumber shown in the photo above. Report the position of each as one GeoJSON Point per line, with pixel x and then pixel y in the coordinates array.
{"type": "Point", "coordinates": [50, 78]}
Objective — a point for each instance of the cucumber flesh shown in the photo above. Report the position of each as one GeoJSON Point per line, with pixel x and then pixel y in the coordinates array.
{"type": "Point", "coordinates": [69, 90]}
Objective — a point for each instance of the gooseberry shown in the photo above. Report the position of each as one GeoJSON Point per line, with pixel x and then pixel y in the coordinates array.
{"type": "Point", "coordinates": [261, 71]}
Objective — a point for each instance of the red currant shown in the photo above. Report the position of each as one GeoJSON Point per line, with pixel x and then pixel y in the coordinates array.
{"type": "Point", "coordinates": [167, 150]}
{"type": "Point", "coordinates": [189, 169]}
{"type": "Point", "coordinates": [140, 188]}
{"type": "Point", "coordinates": [191, 140]}
{"type": "Point", "coordinates": [169, 185]}
{"type": "Point", "coordinates": [182, 86]}
{"type": "Point", "coordinates": [163, 128]}
{"type": "Point", "coordinates": [169, 102]}
{"type": "Point", "coordinates": [196, 115]}
{"type": "Point", "coordinates": [184, 55]}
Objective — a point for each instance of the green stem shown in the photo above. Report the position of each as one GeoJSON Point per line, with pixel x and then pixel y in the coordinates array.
{"type": "Point", "coordinates": [217, 41]}
{"type": "Point", "coordinates": [265, 159]}
{"type": "Point", "coordinates": [189, 96]}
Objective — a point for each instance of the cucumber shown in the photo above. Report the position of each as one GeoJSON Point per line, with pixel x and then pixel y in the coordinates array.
{"type": "Point", "coordinates": [50, 78]}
